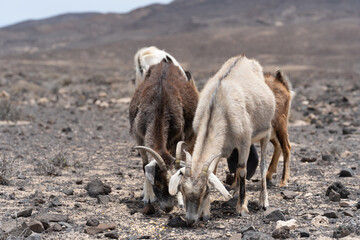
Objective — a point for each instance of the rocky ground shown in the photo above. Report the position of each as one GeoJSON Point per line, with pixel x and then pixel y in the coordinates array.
{"type": "Point", "coordinates": [61, 131]}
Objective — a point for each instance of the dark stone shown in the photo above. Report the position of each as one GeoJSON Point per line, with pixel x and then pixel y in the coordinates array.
{"type": "Point", "coordinates": [281, 233]}
{"type": "Point", "coordinates": [304, 234]}
{"type": "Point", "coordinates": [4, 181]}
{"type": "Point", "coordinates": [112, 234]}
{"type": "Point", "coordinates": [176, 222]}
{"type": "Point", "coordinates": [52, 217]}
{"type": "Point", "coordinates": [348, 130]}
{"type": "Point", "coordinates": [34, 236]}
{"type": "Point", "coordinates": [253, 206]}
{"type": "Point", "coordinates": [250, 228]}
{"type": "Point", "coordinates": [334, 196]}
{"type": "Point", "coordinates": [358, 205]}
{"type": "Point", "coordinates": [339, 188]}
{"type": "Point", "coordinates": [274, 215]}
{"type": "Point", "coordinates": [68, 191]}
{"type": "Point", "coordinates": [96, 187]}
{"type": "Point", "coordinates": [331, 214]}
{"type": "Point", "coordinates": [103, 199]}
{"type": "Point", "coordinates": [79, 182]}
{"type": "Point", "coordinates": [36, 226]}
{"type": "Point", "coordinates": [25, 213]}
{"type": "Point", "coordinates": [346, 172]}
{"type": "Point", "coordinates": [77, 205]}
{"type": "Point", "coordinates": [289, 194]}
{"type": "Point", "coordinates": [45, 224]}
{"type": "Point", "coordinates": [12, 196]}
{"type": "Point", "coordinates": [315, 172]}
{"type": "Point", "coordinates": [92, 222]}
{"type": "Point", "coordinates": [308, 159]}
{"type": "Point", "coordinates": [328, 157]}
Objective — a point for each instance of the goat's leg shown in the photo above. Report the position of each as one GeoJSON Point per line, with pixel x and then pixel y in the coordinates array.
{"type": "Point", "coordinates": [275, 159]}
{"type": "Point", "coordinates": [263, 194]}
{"type": "Point", "coordinates": [241, 206]}
{"type": "Point", "coordinates": [286, 147]}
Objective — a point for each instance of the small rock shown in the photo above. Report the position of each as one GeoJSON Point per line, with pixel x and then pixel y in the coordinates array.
{"type": "Point", "coordinates": [348, 130]}
{"type": "Point", "coordinates": [176, 222]}
{"type": "Point", "coordinates": [52, 217]}
{"type": "Point", "coordinates": [46, 225]}
{"type": "Point", "coordinates": [349, 213]}
{"type": "Point", "coordinates": [68, 191]}
{"type": "Point", "coordinates": [92, 222]}
{"type": "Point", "coordinates": [25, 213]}
{"type": "Point", "coordinates": [112, 234]}
{"type": "Point", "coordinates": [304, 234]}
{"type": "Point", "coordinates": [334, 196]}
{"type": "Point", "coordinates": [36, 226]}
{"type": "Point", "coordinates": [34, 236]}
{"type": "Point", "coordinates": [358, 205]}
{"type": "Point", "coordinates": [66, 225]}
{"type": "Point", "coordinates": [274, 215]}
{"type": "Point", "coordinates": [250, 228]}
{"type": "Point", "coordinates": [148, 209]}
{"type": "Point", "coordinates": [12, 196]}
{"type": "Point", "coordinates": [342, 231]}
{"type": "Point", "coordinates": [308, 159]}
{"type": "Point", "coordinates": [289, 194]}
{"type": "Point", "coordinates": [96, 187]}
{"type": "Point", "coordinates": [4, 181]}
{"type": "Point", "coordinates": [281, 233]}
{"type": "Point", "coordinates": [315, 172]}
{"type": "Point", "coordinates": [221, 226]}
{"type": "Point", "coordinates": [55, 201]}
{"type": "Point", "coordinates": [328, 157]}
{"type": "Point", "coordinates": [339, 188]}
{"type": "Point", "coordinates": [100, 228]}
{"type": "Point", "coordinates": [42, 101]}
{"type": "Point", "coordinates": [103, 199]}
{"type": "Point", "coordinates": [292, 224]}
{"type": "Point", "coordinates": [77, 205]}
{"type": "Point", "coordinates": [348, 203]}
{"type": "Point", "coordinates": [79, 182]}
{"type": "Point", "coordinates": [346, 172]}
{"type": "Point", "coordinates": [319, 221]}
{"type": "Point", "coordinates": [57, 227]}
{"type": "Point", "coordinates": [331, 214]}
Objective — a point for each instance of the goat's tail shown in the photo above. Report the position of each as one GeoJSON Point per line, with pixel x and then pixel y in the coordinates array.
{"type": "Point", "coordinates": [279, 76]}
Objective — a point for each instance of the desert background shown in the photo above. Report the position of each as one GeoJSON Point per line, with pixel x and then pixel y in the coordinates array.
{"type": "Point", "coordinates": [65, 86]}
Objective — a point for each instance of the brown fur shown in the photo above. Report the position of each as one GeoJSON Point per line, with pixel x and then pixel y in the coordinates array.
{"type": "Point", "coordinates": [281, 88]}
{"type": "Point", "coordinates": [161, 114]}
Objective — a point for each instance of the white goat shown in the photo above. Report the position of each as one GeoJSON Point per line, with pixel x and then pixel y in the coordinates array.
{"type": "Point", "coordinates": [235, 109]}
{"type": "Point", "coordinates": [148, 56]}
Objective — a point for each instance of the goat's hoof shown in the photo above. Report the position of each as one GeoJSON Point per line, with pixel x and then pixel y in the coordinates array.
{"type": "Point", "coordinates": [148, 209]}
{"type": "Point", "coordinates": [283, 184]}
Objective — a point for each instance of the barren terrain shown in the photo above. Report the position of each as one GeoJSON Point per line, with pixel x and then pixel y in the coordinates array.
{"type": "Point", "coordinates": [64, 94]}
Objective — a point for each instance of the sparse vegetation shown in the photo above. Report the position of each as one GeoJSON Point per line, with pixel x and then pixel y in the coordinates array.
{"type": "Point", "coordinates": [8, 111]}
{"type": "Point", "coordinates": [7, 163]}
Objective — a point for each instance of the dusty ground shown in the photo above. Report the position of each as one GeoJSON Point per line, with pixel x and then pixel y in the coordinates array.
{"type": "Point", "coordinates": [75, 129]}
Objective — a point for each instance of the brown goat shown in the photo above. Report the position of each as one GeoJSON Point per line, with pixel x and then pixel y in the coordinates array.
{"type": "Point", "coordinates": [281, 87]}
{"type": "Point", "coordinates": [161, 115]}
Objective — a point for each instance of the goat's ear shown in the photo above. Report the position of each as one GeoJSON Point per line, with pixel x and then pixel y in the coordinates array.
{"type": "Point", "coordinates": [219, 186]}
{"type": "Point", "coordinates": [150, 171]}
{"type": "Point", "coordinates": [188, 75]}
{"type": "Point", "coordinates": [175, 181]}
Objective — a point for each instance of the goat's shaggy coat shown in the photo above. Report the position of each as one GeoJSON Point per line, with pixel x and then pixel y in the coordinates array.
{"type": "Point", "coordinates": [161, 114]}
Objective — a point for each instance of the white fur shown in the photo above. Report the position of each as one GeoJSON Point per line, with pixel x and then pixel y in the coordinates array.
{"type": "Point", "coordinates": [149, 56]}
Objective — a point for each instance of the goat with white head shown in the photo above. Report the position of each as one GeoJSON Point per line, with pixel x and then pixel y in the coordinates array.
{"type": "Point", "coordinates": [235, 110]}
{"type": "Point", "coordinates": [148, 56]}
{"type": "Point", "coordinates": [161, 114]}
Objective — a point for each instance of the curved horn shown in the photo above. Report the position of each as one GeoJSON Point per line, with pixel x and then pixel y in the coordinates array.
{"type": "Point", "coordinates": [178, 154]}
{"type": "Point", "coordinates": [188, 164]}
{"type": "Point", "coordinates": [207, 164]}
{"type": "Point", "coordinates": [156, 156]}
